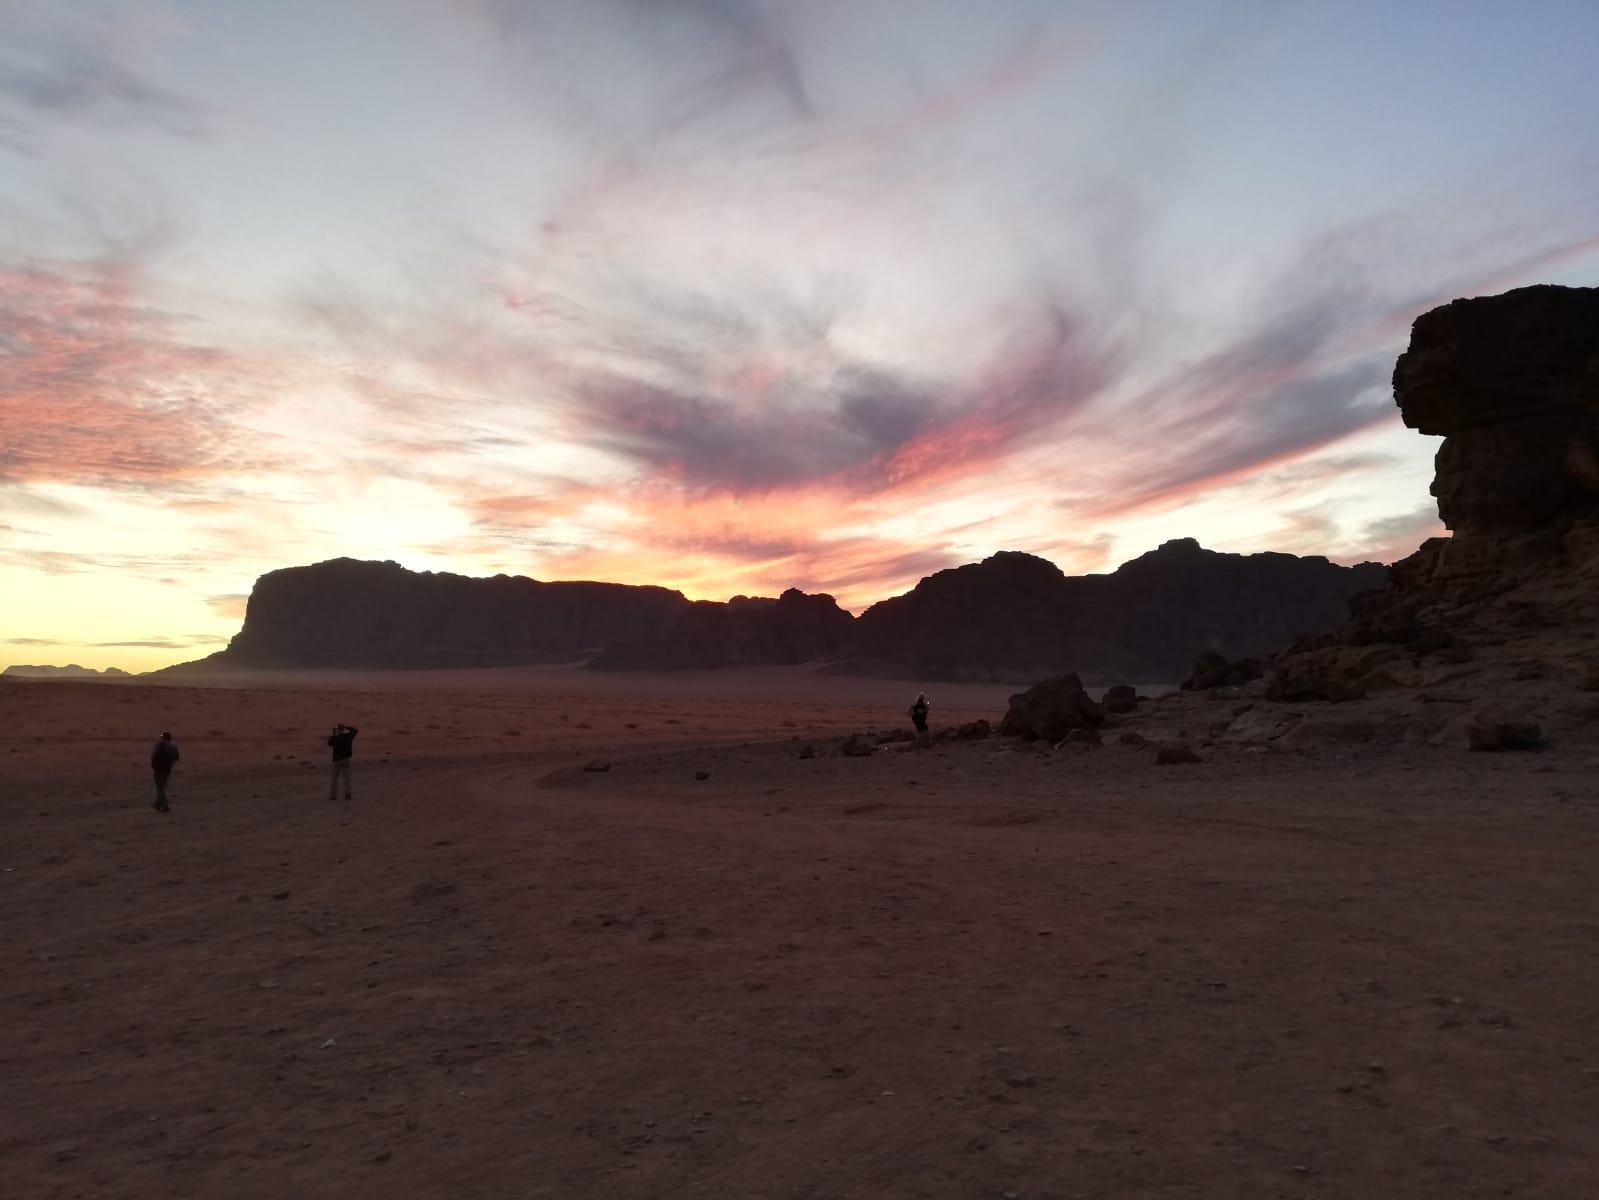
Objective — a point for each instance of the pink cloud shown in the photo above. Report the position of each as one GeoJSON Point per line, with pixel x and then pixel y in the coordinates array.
{"type": "Point", "coordinates": [99, 387]}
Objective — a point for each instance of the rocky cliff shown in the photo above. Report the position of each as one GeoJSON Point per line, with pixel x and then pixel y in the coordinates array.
{"type": "Point", "coordinates": [1511, 383]}
{"type": "Point", "coordinates": [1496, 625]}
{"type": "Point", "coordinates": [349, 614]}
{"type": "Point", "coordinates": [1017, 617]}
{"type": "Point", "coordinates": [1010, 617]}
{"type": "Point", "coordinates": [746, 631]}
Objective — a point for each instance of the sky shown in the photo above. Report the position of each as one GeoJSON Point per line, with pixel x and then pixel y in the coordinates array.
{"type": "Point", "coordinates": [737, 295]}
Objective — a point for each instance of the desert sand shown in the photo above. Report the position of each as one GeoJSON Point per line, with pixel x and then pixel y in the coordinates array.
{"type": "Point", "coordinates": [975, 970]}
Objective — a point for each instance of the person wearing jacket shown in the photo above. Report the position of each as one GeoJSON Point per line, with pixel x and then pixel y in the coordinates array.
{"type": "Point", "coordinates": [342, 740]}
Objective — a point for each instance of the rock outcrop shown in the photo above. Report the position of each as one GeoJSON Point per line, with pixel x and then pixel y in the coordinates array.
{"type": "Point", "coordinates": [350, 614]}
{"type": "Point", "coordinates": [1511, 383]}
{"type": "Point", "coordinates": [1014, 616]}
{"type": "Point", "coordinates": [746, 631]}
{"type": "Point", "coordinates": [1212, 670]}
{"type": "Point", "coordinates": [1050, 710]}
{"type": "Point", "coordinates": [1010, 617]}
{"type": "Point", "coordinates": [1501, 617]}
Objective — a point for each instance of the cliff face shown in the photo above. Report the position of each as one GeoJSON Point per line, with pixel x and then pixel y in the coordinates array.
{"type": "Point", "coordinates": [352, 614]}
{"type": "Point", "coordinates": [1511, 382]}
{"type": "Point", "coordinates": [1180, 599]}
{"type": "Point", "coordinates": [1503, 615]}
{"type": "Point", "coordinates": [1014, 616]}
{"type": "Point", "coordinates": [746, 631]}
{"type": "Point", "coordinates": [1010, 617]}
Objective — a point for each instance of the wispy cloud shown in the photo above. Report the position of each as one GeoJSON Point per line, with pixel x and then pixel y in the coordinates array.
{"type": "Point", "coordinates": [231, 604]}
{"type": "Point", "coordinates": [154, 642]}
{"type": "Point", "coordinates": [1389, 539]}
{"type": "Point", "coordinates": [63, 71]}
{"type": "Point", "coordinates": [98, 386]}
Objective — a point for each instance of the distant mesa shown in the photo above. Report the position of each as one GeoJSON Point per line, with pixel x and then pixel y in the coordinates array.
{"type": "Point", "coordinates": [346, 614]}
{"type": "Point", "coordinates": [1017, 617]}
{"type": "Point", "coordinates": [1013, 616]}
{"type": "Point", "coordinates": [70, 671]}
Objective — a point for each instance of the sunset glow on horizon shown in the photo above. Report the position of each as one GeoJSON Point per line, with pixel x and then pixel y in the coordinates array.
{"type": "Point", "coordinates": [731, 295]}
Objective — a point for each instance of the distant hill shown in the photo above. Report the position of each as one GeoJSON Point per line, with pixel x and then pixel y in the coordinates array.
{"type": "Point", "coordinates": [1017, 617]}
{"type": "Point", "coordinates": [70, 671]}
{"type": "Point", "coordinates": [1012, 616]}
{"type": "Point", "coordinates": [746, 631]}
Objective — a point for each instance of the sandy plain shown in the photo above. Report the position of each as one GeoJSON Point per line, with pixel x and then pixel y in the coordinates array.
{"type": "Point", "coordinates": [976, 970]}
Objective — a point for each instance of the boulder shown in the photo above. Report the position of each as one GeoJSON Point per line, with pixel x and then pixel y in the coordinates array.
{"type": "Point", "coordinates": [1212, 670]}
{"type": "Point", "coordinates": [1209, 670]}
{"type": "Point", "coordinates": [856, 746]}
{"type": "Point", "coordinates": [1120, 699]}
{"type": "Point", "coordinates": [1132, 738]}
{"type": "Point", "coordinates": [973, 730]}
{"type": "Point", "coordinates": [1082, 737]}
{"type": "Point", "coordinates": [1176, 753]}
{"type": "Point", "coordinates": [1498, 733]}
{"type": "Point", "coordinates": [1050, 710]}
{"type": "Point", "coordinates": [1296, 685]}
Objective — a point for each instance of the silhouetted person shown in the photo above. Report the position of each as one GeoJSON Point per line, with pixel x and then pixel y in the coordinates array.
{"type": "Point", "coordinates": [918, 714]}
{"type": "Point", "coordinates": [342, 739]}
{"type": "Point", "coordinates": [162, 759]}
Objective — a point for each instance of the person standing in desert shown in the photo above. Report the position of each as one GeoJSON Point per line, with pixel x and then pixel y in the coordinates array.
{"type": "Point", "coordinates": [342, 739]}
{"type": "Point", "coordinates": [163, 757]}
{"type": "Point", "coordinates": [918, 714]}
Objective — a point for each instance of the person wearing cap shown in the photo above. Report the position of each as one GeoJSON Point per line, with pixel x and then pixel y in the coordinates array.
{"type": "Point", "coordinates": [163, 758]}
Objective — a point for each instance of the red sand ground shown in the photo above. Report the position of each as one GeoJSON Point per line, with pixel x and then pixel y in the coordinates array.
{"type": "Point", "coordinates": [962, 972]}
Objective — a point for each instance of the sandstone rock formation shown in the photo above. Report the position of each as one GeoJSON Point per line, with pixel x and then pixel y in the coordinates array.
{"type": "Point", "coordinates": [746, 631]}
{"type": "Point", "coordinates": [1511, 382]}
{"type": "Point", "coordinates": [1013, 616]}
{"type": "Point", "coordinates": [1212, 670]}
{"type": "Point", "coordinates": [1503, 615]}
{"type": "Point", "coordinates": [1121, 698]}
{"type": "Point", "coordinates": [1050, 710]}
{"type": "Point", "coordinates": [1010, 617]}
{"type": "Point", "coordinates": [349, 614]}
